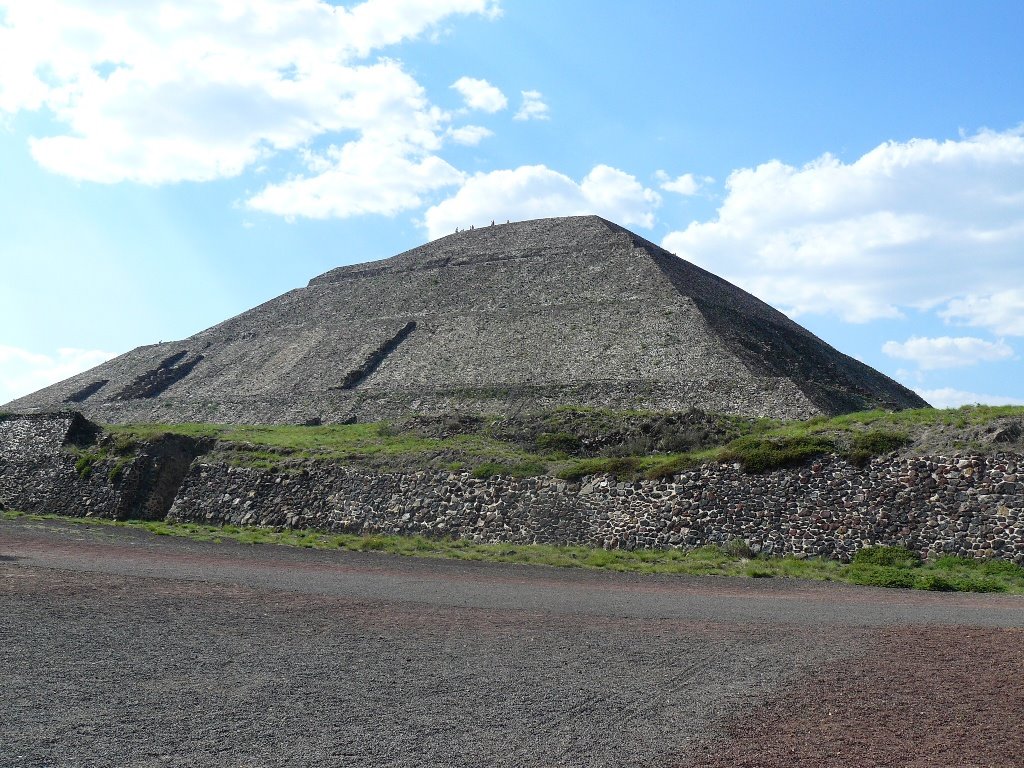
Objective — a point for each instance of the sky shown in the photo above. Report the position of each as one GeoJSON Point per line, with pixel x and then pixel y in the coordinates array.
{"type": "Point", "coordinates": [859, 166]}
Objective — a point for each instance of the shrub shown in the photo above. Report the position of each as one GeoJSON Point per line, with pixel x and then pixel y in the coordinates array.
{"type": "Point", "coordinates": [673, 466]}
{"type": "Point", "coordinates": [558, 442]}
{"type": "Point", "coordinates": [874, 443]}
{"type": "Point", "coordinates": [979, 584]}
{"type": "Point", "coordinates": [761, 453]}
{"type": "Point", "coordinates": [897, 557]}
{"type": "Point", "coordinates": [880, 576]}
{"type": "Point", "coordinates": [739, 549]}
{"type": "Point", "coordinates": [118, 469]}
{"type": "Point", "coordinates": [935, 582]}
{"type": "Point", "coordinates": [522, 469]}
{"type": "Point", "coordinates": [84, 465]}
{"type": "Point", "coordinates": [627, 466]}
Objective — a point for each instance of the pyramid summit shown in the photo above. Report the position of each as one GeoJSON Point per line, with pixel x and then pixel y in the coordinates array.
{"type": "Point", "coordinates": [528, 315]}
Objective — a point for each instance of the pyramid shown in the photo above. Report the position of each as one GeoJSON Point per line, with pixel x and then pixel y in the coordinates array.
{"type": "Point", "coordinates": [523, 316]}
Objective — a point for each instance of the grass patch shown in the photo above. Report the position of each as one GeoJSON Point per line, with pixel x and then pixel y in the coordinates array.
{"type": "Point", "coordinates": [900, 567]}
{"type": "Point", "coordinates": [880, 567]}
{"type": "Point", "coordinates": [762, 453]}
{"type": "Point", "coordinates": [553, 443]}
{"type": "Point", "coordinates": [85, 464]}
{"type": "Point", "coordinates": [117, 470]}
{"type": "Point", "coordinates": [520, 469]}
{"type": "Point", "coordinates": [881, 576]}
{"type": "Point", "coordinates": [627, 466]}
{"type": "Point", "coordinates": [894, 557]}
{"type": "Point", "coordinates": [874, 442]}
{"type": "Point", "coordinates": [558, 442]}
{"type": "Point", "coordinates": [380, 446]}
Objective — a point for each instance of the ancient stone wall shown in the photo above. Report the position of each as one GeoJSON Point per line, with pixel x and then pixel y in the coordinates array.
{"type": "Point", "coordinates": [39, 472]}
{"type": "Point", "coordinates": [51, 464]}
{"type": "Point", "coordinates": [971, 506]}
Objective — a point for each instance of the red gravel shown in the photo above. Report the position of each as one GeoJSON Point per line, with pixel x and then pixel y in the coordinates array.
{"type": "Point", "coordinates": [921, 697]}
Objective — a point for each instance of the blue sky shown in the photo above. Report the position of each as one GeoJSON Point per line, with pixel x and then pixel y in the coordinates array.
{"type": "Point", "coordinates": [860, 166]}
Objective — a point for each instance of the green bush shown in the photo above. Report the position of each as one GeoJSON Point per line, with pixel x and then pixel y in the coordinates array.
{"type": "Point", "coordinates": [875, 442]}
{"type": "Point", "coordinates": [980, 584]}
{"type": "Point", "coordinates": [762, 453]}
{"type": "Point", "coordinates": [673, 466]}
{"type": "Point", "coordinates": [118, 469]}
{"type": "Point", "coordinates": [1000, 568]}
{"type": "Point", "coordinates": [626, 466]}
{"type": "Point", "coordinates": [739, 549]}
{"type": "Point", "coordinates": [880, 576]}
{"type": "Point", "coordinates": [898, 557]}
{"type": "Point", "coordinates": [85, 464]}
{"type": "Point", "coordinates": [522, 469]}
{"type": "Point", "coordinates": [935, 582]}
{"type": "Point", "coordinates": [558, 442]}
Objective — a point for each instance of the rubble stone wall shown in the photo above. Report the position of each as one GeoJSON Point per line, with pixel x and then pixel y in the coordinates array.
{"type": "Point", "coordinates": [971, 506]}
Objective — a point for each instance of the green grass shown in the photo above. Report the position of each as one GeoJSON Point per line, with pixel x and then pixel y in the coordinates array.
{"type": "Point", "coordinates": [376, 445]}
{"type": "Point", "coordinates": [758, 445]}
{"type": "Point", "coordinates": [85, 463]}
{"type": "Point", "coordinates": [510, 469]}
{"type": "Point", "coordinates": [876, 566]}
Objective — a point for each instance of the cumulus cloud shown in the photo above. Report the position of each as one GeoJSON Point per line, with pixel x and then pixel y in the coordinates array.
{"type": "Point", "coordinates": [357, 178]}
{"type": "Point", "coordinates": [198, 89]}
{"type": "Point", "coordinates": [26, 371]}
{"type": "Point", "coordinates": [923, 223]}
{"type": "Point", "coordinates": [948, 397]}
{"type": "Point", "coordinates": [1002, 311]}
{"type": "Point", "coordinates": [469, 135]}
{"type": "Point", "coordinates": [948, 352]}
{"type": "Point", "coordinates": [480, 94]}
{"type": "Point", "coordinates": [532, 107]}
{"type": "Point", "coordinates": [536, 191]}
{"type": "Point", "coordinates": [687, 184]}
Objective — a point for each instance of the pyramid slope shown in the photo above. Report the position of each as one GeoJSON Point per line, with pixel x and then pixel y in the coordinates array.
{"type": "Point", "coordinates": [530, 315]}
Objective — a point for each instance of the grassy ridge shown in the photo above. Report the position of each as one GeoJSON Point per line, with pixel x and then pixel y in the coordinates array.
{"type": "Point", "coordinates": [875, 566]}
{"type": "Point", "coordinates": [555, 446]}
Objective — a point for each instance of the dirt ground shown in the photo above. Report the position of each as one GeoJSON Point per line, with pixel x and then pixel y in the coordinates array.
{"type": "Point", "coordinates": [119, 648]}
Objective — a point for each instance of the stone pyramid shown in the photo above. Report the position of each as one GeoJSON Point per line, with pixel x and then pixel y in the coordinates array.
{"type": "Point", "coordinates": [501, 319]}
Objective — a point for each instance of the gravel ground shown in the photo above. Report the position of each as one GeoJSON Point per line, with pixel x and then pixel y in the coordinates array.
{"type": "Point", "coordinates": [924, 697]}
{"type": "Point", "coordinates": [119, 648]}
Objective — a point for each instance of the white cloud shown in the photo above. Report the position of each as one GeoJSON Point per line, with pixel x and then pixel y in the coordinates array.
{"type": "Point", "coordinates": [533, 107]}
{"type": "Point", "coordinates": [205, 89]}
{"type": "Point", "coordinates": [947, 397]}
{"type": "Point", "coordinates": [687, 184]}
{"type": "Point", "coordinates": [25, 372]}
{"type": "Point", "coordinates": [470, 135]}
{"type": "Point", "coordinates": [480, 94]}
{"type": "Point", "coordinates": [360, 177]}
{"type": "Point", "coordinates": [948, 352]}
{"type": "Point", "coordinates": [1002, 311]}
{"type": "Point", "coordinates": [536, 191]}
{"type": "Point", "coordinates": [922, 224]}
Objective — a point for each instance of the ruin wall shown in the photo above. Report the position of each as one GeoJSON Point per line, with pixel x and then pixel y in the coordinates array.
{"type": "Point", "coordinates": [971, 506]}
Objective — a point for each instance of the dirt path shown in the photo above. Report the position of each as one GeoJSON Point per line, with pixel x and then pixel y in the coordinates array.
{"type": "Point", "coordinates": [118, 648]}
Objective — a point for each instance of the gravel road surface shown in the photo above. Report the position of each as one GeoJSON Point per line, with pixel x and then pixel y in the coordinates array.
{"type": "Point", "coordinates": [121, 648]}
